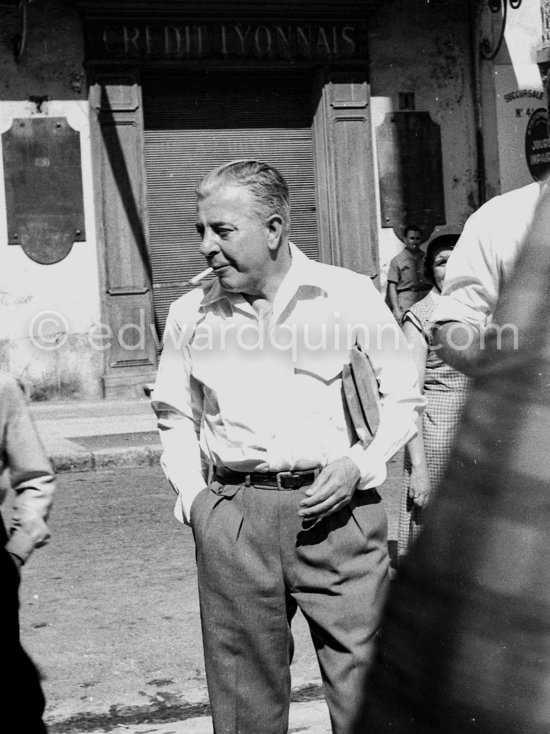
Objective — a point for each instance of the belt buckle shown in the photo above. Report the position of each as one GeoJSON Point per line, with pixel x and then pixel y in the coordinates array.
{"type": "Point", "coordinates": [284, 475]}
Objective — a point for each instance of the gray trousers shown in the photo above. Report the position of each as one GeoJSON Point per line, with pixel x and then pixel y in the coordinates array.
{"type": "Point", "coordinates": [256, 565]}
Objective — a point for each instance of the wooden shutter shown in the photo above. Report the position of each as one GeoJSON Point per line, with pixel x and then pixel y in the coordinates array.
{"type": "Point", "coordinates": [194, 122]}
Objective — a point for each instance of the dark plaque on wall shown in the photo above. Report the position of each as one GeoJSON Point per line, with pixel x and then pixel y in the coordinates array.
{"type": "Point", "coordinates": [43, 181]}
{"type": "Point", "coordinates": [411, 171]}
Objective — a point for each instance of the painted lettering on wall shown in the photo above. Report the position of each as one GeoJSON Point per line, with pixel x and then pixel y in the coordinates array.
{"type": "Point", "coordinates": [521, 93]}
{"type": "Point", "coordinates": [289, 41]}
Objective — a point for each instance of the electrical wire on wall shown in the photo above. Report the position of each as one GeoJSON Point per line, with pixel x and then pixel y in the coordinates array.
{"type": "Point", "coordinates": [20, 41]}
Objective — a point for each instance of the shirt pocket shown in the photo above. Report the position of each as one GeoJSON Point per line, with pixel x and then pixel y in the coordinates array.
{"type": "Point", "coordinates": [318, 387]}
{"type": "Point", "coordinates": [323, 367]}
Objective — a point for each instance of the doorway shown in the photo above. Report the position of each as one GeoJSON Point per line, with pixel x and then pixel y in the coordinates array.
{"type": "Point", "coordinates": [194, 121]}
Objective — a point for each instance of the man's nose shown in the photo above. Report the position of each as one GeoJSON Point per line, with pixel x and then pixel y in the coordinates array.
{"type": "Point", "coordinates": [209, 243]}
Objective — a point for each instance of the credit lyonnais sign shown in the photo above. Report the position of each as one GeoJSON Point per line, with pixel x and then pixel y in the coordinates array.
{"type": "Point", "coordinates": [180, 41]}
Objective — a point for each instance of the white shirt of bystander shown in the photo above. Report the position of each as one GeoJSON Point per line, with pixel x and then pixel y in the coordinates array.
{"type": "Point", "coordinates": [485, 255]}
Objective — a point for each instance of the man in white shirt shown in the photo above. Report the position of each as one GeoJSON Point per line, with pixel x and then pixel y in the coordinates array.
{"type": "Point", "coordinates": [269, 474]}
{"type": "Point", "coordinates": [482, 261]}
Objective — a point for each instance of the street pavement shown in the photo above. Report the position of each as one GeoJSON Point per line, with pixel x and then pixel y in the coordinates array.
{"type": "Point", "coordinates": [109, 608]}
{"type": "Point", "coordinates": [91, 435]}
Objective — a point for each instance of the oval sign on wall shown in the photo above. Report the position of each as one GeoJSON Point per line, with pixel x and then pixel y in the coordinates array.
{"type": "Point", "coordinates": [537, 144]}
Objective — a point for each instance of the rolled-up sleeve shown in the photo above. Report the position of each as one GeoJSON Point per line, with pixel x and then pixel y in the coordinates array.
{"type": "Point", "coordinates": [31, 474]}
{"type": "Point", "coordinates": [472, 276]}
{"type": "Point", "coordinates": [393, 271]}
{"type": "Point", "coordinates": [177, 401]}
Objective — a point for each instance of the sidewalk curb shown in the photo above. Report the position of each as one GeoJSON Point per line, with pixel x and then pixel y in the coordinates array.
{"type": "Point", "coordinates": [111, 458]}
{"type": "Point", "coordinates": [106, 458]}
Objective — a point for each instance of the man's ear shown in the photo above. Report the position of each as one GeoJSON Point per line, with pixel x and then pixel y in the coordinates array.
{"type": "Point", "coordinates": [274, 225]}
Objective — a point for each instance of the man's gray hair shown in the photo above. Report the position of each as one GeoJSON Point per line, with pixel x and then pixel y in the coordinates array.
{"type": "Point", "coordinates": [265, 183]}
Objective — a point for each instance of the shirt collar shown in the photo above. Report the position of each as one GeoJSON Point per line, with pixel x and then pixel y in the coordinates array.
{"type": "Point", "coordinates": [301, 274]}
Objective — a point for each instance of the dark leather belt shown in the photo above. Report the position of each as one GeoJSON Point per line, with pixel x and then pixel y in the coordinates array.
{"type": "Point", "coordinates": [415, 290]}
{"type": "Point", "coordinates": [282, 480]}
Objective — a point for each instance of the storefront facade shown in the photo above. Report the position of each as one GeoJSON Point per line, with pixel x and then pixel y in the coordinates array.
{"type": "Point", "coordinates": [188, 91]}
{"type": "Point", "coordinates": [368, 108]}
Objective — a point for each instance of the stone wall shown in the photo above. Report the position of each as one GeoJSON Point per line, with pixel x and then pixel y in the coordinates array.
{"type": "Point", "coordinates": [47, 311]}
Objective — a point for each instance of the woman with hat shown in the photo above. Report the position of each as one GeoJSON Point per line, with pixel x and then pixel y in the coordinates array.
{"type": "Point", "coordinates": [445, 390]}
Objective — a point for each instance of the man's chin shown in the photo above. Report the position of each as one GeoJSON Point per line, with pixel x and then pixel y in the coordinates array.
{"type": "Point", "coordinates": [228, 280]}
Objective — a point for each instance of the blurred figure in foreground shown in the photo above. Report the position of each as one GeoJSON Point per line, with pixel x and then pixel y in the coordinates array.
{"type": "Point", "coordinates": [445, 389]}
{"type": "Point", "coordinates": [23, 461]}
{"type": "Point", "coordinates": [466, 640]}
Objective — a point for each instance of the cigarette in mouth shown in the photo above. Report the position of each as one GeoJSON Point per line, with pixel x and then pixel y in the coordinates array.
{"type": "Point", "coordinates": [196, 278]}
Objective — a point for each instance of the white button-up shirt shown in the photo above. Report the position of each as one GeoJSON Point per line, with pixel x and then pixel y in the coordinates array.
{"type": "Point", "coordinates": [265, 394]}
{"type": "Point", "coordinates": [485, 255]}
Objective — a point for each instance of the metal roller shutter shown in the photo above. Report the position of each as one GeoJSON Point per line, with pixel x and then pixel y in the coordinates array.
{"type": "Point", "coordinates": [198, 121]}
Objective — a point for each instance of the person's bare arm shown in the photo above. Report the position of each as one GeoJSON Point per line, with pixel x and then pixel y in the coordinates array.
{"type": "Point", "coordinates": [458, 344]}
{"type": "Point", "coordinates": [419, 486]}
{"type": "Point", "coordinates": [392, 299]}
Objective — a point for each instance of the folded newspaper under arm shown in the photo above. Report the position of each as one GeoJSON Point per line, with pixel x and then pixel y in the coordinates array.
{"type": "Point", "coordinates": [362, 395]}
